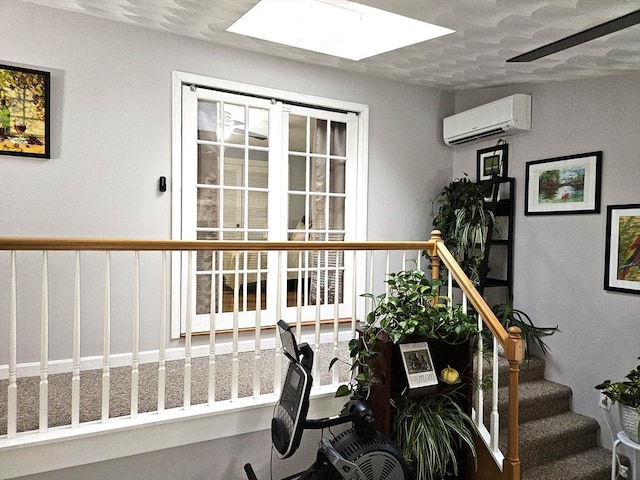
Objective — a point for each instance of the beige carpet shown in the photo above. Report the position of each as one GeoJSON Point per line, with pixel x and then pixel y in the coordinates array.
{"type": "Point", "coordinates": [120, 388]}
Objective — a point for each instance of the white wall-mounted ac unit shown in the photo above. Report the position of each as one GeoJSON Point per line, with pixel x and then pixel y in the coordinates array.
{"type": "Point", "coordinates": [507, 116]}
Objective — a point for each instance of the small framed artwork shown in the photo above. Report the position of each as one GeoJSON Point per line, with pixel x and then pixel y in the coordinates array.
{"type": "Point", "coordinates": [622, 257]}
{"type": "Point", "coordinates": [24, 112]}
{"type": "Point", "coordinates": [563, 185]}
{"type": "Point", "coordinates": [492, 162]}
{"type": "Point", "coordinates": [418, 364]}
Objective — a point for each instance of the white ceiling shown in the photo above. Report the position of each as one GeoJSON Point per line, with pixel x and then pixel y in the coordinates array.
{"type": "Point", "coordinates": [488, 32]}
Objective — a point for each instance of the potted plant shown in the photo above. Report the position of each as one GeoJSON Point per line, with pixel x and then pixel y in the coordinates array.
{"type": "Point", "coordinates": [627, 394]}
{"type": "Point", "coordinates": [429, 429]}
{"type": "Point", "coordinates": [532, 334]}
{"type": "Point", "coordinates": [463, 219]}
{"type": "Point", "coordinates": [413, 307]}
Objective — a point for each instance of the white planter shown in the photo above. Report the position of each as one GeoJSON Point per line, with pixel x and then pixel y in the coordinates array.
{"type": "Point", "coordinates": [629, 419]}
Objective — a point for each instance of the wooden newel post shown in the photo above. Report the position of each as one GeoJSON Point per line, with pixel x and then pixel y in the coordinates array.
{"type": "Point", "coordinates": [433, 254]}
{"type": "Point", "coordinates": [514, 351]}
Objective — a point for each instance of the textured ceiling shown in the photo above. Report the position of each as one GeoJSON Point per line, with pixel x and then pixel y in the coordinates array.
{"type": "Point", "coordinates": [488, 32]}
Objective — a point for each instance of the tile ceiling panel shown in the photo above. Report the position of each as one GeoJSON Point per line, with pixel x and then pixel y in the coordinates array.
{"type": "Point", "coordinates": [488, 32]}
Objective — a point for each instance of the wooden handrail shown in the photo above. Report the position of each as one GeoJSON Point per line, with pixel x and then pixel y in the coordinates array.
{"type": "Point", "coordinates": [92, 244]}
{"type": "Point", "coordinates": [511, 341]}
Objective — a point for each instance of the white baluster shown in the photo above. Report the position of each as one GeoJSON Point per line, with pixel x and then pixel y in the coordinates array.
{"type": "Point", "coordinates": [336, 316]}
{"type": "Point", "coordinates": [370, 289]}
{"type": "Point", "coordinates": [211, 395]}
{"type": "Point", "coordinates": [12, 389]}
{"type": "Point", "coordinates": [135, 341]}
{"type": "Point", "coordinates": [106, 339]}
{"type": "Point", "coordinates": [162, 350]}
{"type": "Point", "coordinates": [354, 295]}
{"type": "Point", "coordinates": [75, 375]}
{"type": "Point", "coordinates": [480, 375]}
{"type": "Point", "coordinates": [44, 347]}
{"type": "Point", "coordinates": [319, 301]}
{"type": "Point", "coordinates": [299, 295]}
{"type": "Point", "coordinates": [387, 270]}
{"type": "Point", "coordinates": [495, 416]}
{"type": "Point", "coordinates": [257, 358]}
{"type": "Point", "coordinates": [277, 369]}
{"type": "Point", "coordinates": [187, 335]}
{"type": "Point", "coordinates": [235, 368]}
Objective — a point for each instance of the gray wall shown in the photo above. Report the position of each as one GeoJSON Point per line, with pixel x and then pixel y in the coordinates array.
{"type": "Point", "coordinates": [559, 259]}
{"type": "Point", "coordinates": [111, 140]}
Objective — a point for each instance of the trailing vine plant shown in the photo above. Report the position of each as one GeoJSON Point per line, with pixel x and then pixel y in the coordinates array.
{"type": "Point", "coordinates": [413, 306]}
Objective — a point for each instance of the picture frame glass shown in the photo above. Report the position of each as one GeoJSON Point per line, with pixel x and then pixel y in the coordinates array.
{"type": "Point", "coordinates": [24, 112]}
{"type": "Point", "coordinates": [492, 162]}
{"type": "Point", "coordinates": [564, 185]}
{"type": "Point", "coordinates": [622, 270]}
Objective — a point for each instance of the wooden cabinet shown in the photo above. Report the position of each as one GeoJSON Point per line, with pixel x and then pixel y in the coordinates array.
{"type": "Point", "coordinates": [394, 384]}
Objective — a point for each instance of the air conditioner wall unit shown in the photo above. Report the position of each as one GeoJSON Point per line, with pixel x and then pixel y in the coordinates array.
{"type": "Point", "coordinates": [507, 116]}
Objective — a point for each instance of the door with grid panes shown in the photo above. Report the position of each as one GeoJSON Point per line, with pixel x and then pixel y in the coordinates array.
{"type": "Point", "coordinates": [258, 169]}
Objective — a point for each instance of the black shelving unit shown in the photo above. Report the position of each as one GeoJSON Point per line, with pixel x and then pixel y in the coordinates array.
{"type": "Point", "coordinates": [497, 266]}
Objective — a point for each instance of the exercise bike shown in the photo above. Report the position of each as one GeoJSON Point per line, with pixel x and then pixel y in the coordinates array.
{"type": "Point", "coordinates": [358, 453]}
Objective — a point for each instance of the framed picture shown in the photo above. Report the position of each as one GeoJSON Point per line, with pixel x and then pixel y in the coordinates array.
{"type": "Point", "coordinates": [24, 112]}
{"type": "Point", "coordinates": [492, 161]}
{"type": "Point", "coordinates": [563, 185]}
{"type": "Point", "coordinates": [418, 364]}
{"type": "Point", "coordinates": [622, 257]}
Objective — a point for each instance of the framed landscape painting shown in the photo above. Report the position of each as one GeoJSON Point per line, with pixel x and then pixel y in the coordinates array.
{"type": "Point", "coordinates": [24, 112]}
{"type": "Point", "coordinates": [564, 185]}
{"type": "Point", "coordinates": [622, 258]}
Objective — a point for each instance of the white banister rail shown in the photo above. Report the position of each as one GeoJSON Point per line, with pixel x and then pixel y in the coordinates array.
{"type": "Point", "coordinates": [12, 388]}
{"type": "Point", "coordinates": [224, 354]}
{"type": "Point", "coordinates": [75, 377]}
{"type": "Point", "coordinates": [44, 346]}
{"type": "Point", "coordinates": [135, 341]}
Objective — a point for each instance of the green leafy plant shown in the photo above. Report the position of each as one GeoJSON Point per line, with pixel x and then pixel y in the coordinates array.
{"type": "Point", "coordinates": [462, 219]}
{"type": "Point", "coordinates": [413, 306]}
{"type": "Point", "coordinates": [532, 334]}
{"type": "Point", "coordinates": [430, 431]}
{"type": "Point", "coordinates": [626, 392]}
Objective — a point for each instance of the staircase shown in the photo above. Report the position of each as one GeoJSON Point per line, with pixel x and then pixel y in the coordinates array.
{"type": "Point", "coordinates": [555, 443]}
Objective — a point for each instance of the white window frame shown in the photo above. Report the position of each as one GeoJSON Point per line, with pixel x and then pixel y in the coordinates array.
{"type": "Point", "coordinates": [361, 188]}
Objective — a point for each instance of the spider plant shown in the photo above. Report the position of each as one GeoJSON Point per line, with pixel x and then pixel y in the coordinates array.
{"type": "Point", "coordinates": [431, 431]}
{"type": "Point", "coordinates": [532, 334]}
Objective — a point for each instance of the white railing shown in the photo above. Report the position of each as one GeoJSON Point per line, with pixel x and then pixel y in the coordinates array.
{"type": "Point", "coordinates": [35, 348]}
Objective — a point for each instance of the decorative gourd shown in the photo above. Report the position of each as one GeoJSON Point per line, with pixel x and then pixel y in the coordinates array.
{"type": "Point", "coordinates": [449, 375]}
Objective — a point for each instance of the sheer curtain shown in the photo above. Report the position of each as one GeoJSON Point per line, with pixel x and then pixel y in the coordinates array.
{"type": "Point", "coordinates": [327, 206]}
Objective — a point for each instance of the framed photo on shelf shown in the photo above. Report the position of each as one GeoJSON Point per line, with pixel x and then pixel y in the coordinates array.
{"type": "Point", "coordinates": [418, 364]}
{"type": "Point", "coordinates": [24, 112]}
{"type": "Point", "coordinates": [492, 162]}
{"type": "Point", "coordinates": [563, 185]}
{"type": "Point", "coordinates": [622, 257]}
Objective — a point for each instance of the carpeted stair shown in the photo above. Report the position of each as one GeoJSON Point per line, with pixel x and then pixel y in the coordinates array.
{"type": "Point", "coordinates": [555, 443]}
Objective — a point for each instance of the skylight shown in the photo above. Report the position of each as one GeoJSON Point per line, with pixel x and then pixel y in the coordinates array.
{"type": "Point", "coordinates": [334, 27]}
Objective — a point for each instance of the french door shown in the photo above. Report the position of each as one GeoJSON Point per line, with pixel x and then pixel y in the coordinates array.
{"type": "Point", "coordinates": [260, 169]}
